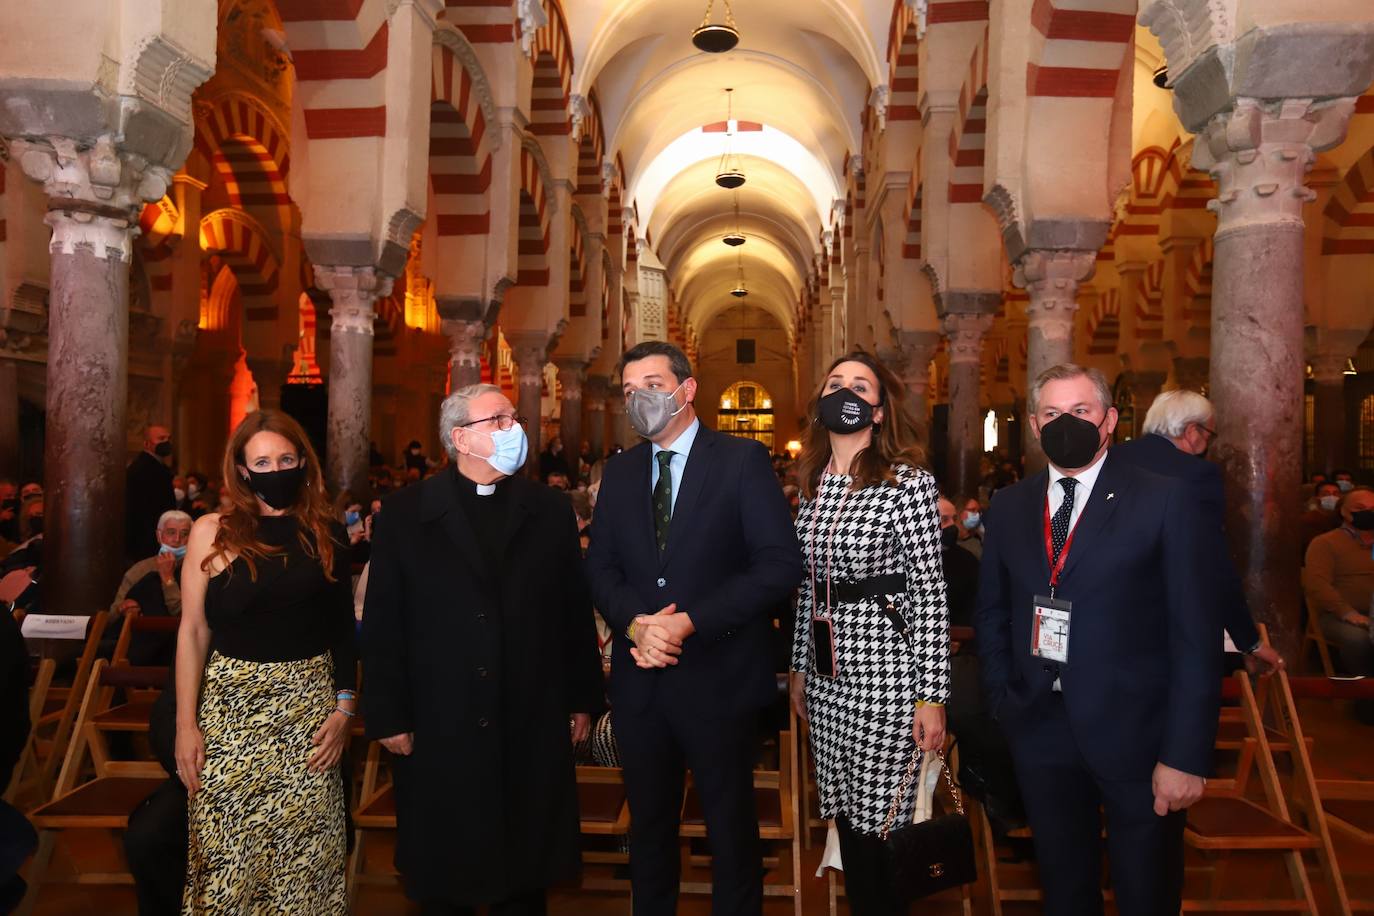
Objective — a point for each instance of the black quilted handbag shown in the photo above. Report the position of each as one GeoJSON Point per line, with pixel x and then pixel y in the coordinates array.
{"type": "Point", "coordinates": [933, 855]}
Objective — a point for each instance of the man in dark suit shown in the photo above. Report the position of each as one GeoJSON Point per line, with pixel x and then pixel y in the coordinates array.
{"type": "Point", "coordinates": [480, 649]}
{"type": "Point", "coordinates": [692, 549]}
{"type": "Point", "coordinates": [1179, 428]}
{"type": "Point", "coordinates": [148, 493]}
{"type": "Point", "coordinates": [1099, 652]}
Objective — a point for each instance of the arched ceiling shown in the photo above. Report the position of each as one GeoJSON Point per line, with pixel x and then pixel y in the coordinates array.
{"type": "Point", "coordinates": [804, 69]}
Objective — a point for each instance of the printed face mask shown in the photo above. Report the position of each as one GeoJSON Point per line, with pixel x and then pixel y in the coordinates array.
{"type": "Point", "coordinates": [843, 411]}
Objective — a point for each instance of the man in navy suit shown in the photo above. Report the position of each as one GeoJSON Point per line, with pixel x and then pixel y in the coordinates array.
{"type": "Point", "coordinates": [692, 549]}
{"type": "Point", "coordinates": [1179, 428]}
{"type": "Point", "coordinates": [1099, 654]}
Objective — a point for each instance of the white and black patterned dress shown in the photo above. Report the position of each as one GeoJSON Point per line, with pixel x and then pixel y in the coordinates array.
{"type": "Point", "coordinates": [861, 720]}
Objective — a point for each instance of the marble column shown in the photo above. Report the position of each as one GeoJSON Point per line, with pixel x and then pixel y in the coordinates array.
{"type": "Point", "coordinates": [269, 375]}
{"type": "Point", "coordinates": [621, 433]}
{"type": "Point", "coordinates": [9, 419]}
{"type": "Point", "coordinates": [1258, 153]}
{"type": "Point", "coordinates": [964, 331]}
{"type": "Point", "coordinates": [1051, 278]}
{"type": "Point", "coordinates": [353, 291]}
{"type": "Point", "coordinates": [918, 348]}
{"type": "Point", "coordinates": [1145, 386]}
{"type": "Point", "coordinates": [1328, 411]}
{"type": "Point", "coordinates": [94, 196]}
{"type": "Point", "coordinates": [531, 352]}
{"type": "Point", "coordinates": [1190, 372]}
{"type": "Point", "coordinates": [571, 374]}
{"type": "Point", "coordinates": [594, 395]}
{"type": "Point", "coordinates": [462, 321]}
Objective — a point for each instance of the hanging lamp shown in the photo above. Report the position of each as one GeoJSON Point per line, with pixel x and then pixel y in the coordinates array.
{"type": "Point", "coordinates": [716, 38]}
{"type": "Point", "coordinates": [736, 238]}
{"type": "Point", "coordinates": [740, 290]}
{"type": "Point", "coordinates": [729, 174]}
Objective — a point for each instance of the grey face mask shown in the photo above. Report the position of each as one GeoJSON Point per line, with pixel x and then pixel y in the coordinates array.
{"type": "Point", "coordinates": [650, 412]}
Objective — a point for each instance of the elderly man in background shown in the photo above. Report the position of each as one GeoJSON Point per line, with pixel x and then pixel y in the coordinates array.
{"type": "Point", "coordinates": [482, 669]}
{"type": "Point", "coordinates": [1339, 581]}
{"type": "Point", "coordinates": [173, 531]}
{"type": "Point", "coordinates": [1179, 428]}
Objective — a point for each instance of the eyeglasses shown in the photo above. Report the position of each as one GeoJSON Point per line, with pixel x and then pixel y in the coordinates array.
{"type": "Point", "coordinates": [1208, 430]}
{"type": "Point", "coordinates": [503, 421]}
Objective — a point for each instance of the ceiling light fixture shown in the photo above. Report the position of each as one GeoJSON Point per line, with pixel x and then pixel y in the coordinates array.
{"type": "Point", "coordinates": [729, 175]}
{"type": "Point", "coordinates": [1161, 76]}
{"type": "Point", "coordinates": [1350, 367]}
{"type": "Point", "coordinates": [740, 290]}
{"type": "Point", "coordinates": [736, 238]}
{"type": "Point", "coordinates": [716, 38]}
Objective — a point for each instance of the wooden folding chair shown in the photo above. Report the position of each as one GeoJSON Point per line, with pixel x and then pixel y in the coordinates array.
{"type": "Point", "coordinates": [1313, 636]}
{"type": "Point", "coordinates": [61, 705]}
{"type": "Point", "coordinates": [135, 624]}
{"type": "Point", "coordinates": [376, 810]}
{"type": "Point", "coordinates": [26, 770]}
{"type": "Point", "coordinates": [1232, 818]}
{"type": "Point", "coordinates": [103, 802]}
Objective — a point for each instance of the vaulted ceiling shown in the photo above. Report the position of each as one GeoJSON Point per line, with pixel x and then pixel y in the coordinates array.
{"type": "Point", "coordinates": [803, 70]}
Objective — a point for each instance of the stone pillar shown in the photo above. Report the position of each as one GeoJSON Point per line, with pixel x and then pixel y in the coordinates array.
{"type": "Point", "coordinates": [571, 374]}
{"type": "Point", "coordinates": [1328, 412]}
{"type": "Point", "coordinates": [1190, 372]}
{"type": "Point", "coordinates": [1051, 277]}
{"type": "Point", "coordinates": [595, 394]}
{"type": "Point", "coordinates": [94, 196]}
{"type": "Point", "coordinates": [353, 291]}
{"type": "Point", "coordinates": [462, 320]}
{"type": "Point", "coordinates": [919, 349]}
{"type": "Point", "coordinates": [269, 375]}
{"type": "Point", "coordinates": [531, 352]}
{"type": "Point", "coordinates": [1259, 153]}
{"type": "Point", "coordinates": [964, 332]}
{"type": "Point", "coordinates": [1145, 386]}
{"type": "Point", "coordinates": [621, 433]}
{"type": "Point", "coordinates": [9, 419]}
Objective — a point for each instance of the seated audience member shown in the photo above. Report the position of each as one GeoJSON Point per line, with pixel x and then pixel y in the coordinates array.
{"type": "Point", "coordinates": [961, 567]}
{"type": "Point", "coordinates": [1322, 516]}
{"type": "Point", "coordinates": [30, 491]}
{"type": "Point", "coordinates": [17, 836]}
{"type": "Point", "coordinates": [558, 480]}
{"type": "Point", "coordinates": [9, 513]}
{"type": "Point", "coordinates": [415, 458]}
{"type": "Point", "coordinates": [1339, 581]}
{"type": "Point", "coordinates": [173, 531]}
{"type": "Point", "coordinates": [1343, 479]}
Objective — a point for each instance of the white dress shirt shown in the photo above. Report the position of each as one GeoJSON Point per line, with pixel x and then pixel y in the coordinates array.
{"type": "Point", "coordinates": [681, 447]}
{"type": "Point", "coordinates": [1086, 478]}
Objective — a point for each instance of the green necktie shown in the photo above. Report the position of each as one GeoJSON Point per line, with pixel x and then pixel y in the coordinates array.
{"type": "Point", "coordinates": [663, 499]}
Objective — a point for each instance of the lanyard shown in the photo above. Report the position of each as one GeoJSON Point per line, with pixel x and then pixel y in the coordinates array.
{"type": "Point", "coordinates": [1057, 569]}
{"type": "Point", "coordinates": [829, 540]}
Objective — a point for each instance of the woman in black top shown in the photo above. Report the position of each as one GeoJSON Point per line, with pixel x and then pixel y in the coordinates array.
{"type": "Point", "coordinates": [265, 678]}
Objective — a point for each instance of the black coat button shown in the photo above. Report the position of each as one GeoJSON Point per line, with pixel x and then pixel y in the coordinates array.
{"type": "Point", "coordinates": [481, 618]}
{"type": "Point", "coordinates": [482, 673]}
{"type": "Point", "coordinates": [482, 723]}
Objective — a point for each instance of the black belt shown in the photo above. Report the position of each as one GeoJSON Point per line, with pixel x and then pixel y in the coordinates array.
{"type": "Point", "coordinates": [872, 587]}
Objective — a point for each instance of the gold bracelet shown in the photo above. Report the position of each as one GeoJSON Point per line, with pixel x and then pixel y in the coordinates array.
{"type": "Point", "coordinates": [630, 630]}
{"type": "Point", "coordinates": [921, 704]}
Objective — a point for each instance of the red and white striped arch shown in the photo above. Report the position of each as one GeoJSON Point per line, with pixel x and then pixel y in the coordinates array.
{"type": "Point", "coordinates": [1149, 172]}
{"type": "Point", "coordinates": [967, 140]}
{"type": "Point", "coordinates": [1149, 303]}
{"type": "Point", "coordinates": [1197, 285]}
{"type": "Point", "coordinates": [553, 68]}
{"type": "Point", "coordinates": [1348, 220]}
{"type": "Point", "coordinates": [1079, 47]}
{"type": "Point", "coordinates": [339, 50]}
{"type": "Point", "coordinates": [577, 274]}
{"type": "Point", "coordinates": [240, 243]}
{"type": "Point", "coordinates": [459, 148]}
{"type": "Point", "coordinates": [248, 147]}
{"type": "Point", "coordinates": [483, 21]}
{"type": "Point", "coordinates": [1104, 326]}
{"type": "Point", "coordinates": [156, 222]}
{"type": "Point", "coordinates": [903, 70]}
{"type": "Point", "coordinates": [591, 148]}
{"type": "Point", "coordinates": [534, 223]}
{"type": "Point", "coordinates": [911, 247]}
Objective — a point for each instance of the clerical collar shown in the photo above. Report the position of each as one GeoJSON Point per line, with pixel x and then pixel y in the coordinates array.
{"type": "Point", "coordinates": [486, 489]}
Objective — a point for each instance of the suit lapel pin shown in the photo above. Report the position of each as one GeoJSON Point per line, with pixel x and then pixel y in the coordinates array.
{"type": "Point", "coordinates": [1111, 495]}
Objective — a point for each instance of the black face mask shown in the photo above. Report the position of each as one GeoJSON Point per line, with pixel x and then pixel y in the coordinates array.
{"type": "Point", "coordinates": [843, 411]}
{"type": "Point", "coordinates": [949, 536]}
{"type": "Point", "coordinates": [279, 489]}
{"type": "Point", "coordinates": [35, 525]}
{"type": "Point", "coordinates": [1363, 520]}
{"type": "Point", "coordinates": [1070, 442]}
{"type": "Point", "coordinates": [8, 504]}
{"type": "Point", "coordinates": [163, 449]}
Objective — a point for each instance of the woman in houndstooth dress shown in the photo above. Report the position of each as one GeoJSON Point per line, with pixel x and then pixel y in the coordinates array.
{"type": "Point", "coordinates": [869, 529]}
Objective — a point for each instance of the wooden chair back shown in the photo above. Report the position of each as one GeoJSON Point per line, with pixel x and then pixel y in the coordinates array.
{"type": "Point", "coordinates": [27, 769]}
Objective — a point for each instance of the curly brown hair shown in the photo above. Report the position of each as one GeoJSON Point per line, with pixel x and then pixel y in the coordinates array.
{"type": "Point", "coordinates": [896, 441]}
{"type": "Point", "coordinates": [238, 528]}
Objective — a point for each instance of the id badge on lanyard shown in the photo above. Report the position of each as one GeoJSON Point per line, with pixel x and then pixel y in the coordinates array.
{"type": "Point", "coordinates": [823, 624]}
{"type": "Point", "coordinates": [1051, 617]}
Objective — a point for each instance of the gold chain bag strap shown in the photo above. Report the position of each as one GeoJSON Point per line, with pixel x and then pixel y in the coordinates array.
{"type": "Point", "coordinates": [933, 855]}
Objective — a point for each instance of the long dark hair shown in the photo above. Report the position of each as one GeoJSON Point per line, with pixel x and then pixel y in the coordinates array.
{"type": "Point", "coordinates": [896, 441]}
{"type": "Point", "coordinates": [238, 528]}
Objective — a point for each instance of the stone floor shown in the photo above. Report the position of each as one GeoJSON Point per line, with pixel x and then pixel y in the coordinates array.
{"type": "Point", "coordinates": [1344, 748]}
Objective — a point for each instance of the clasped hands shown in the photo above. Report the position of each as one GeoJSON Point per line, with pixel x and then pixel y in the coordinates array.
{"type": "Point", "coordinates": [659, 637]}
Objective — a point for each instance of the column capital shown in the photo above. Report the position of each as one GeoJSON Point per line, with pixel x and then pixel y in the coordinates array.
{"type": "Point", "coordinates": [465, 341]}
{"type": "Point", "coordinates": [967, 302]}
{"type": "Point", "coordinates": [353, 291]}
{"type": "Point", "coordinates": [1328, 368]}
{"type": "Point", "coordinates": [596, 389]}
{"type": "Point", "coordinates": [1259, 153]}
{"type": "Point", "coordinates": [94, 192]}
{"type": "Point", "coordinates": [964, 331]}
{"type": "Point", "coordinates": [531, 352]}
{"type": "Point", "coordinates": [572, 372]}
{"type": "Point", "coordinates": [1052, 277]}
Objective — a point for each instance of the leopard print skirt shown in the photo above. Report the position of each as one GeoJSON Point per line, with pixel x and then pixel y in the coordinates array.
{"type": "Point", "coordinates": [266, 834]}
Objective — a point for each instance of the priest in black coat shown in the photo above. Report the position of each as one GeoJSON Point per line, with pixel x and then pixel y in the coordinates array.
{"type": "Point", "coordinates": [482, 669]}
